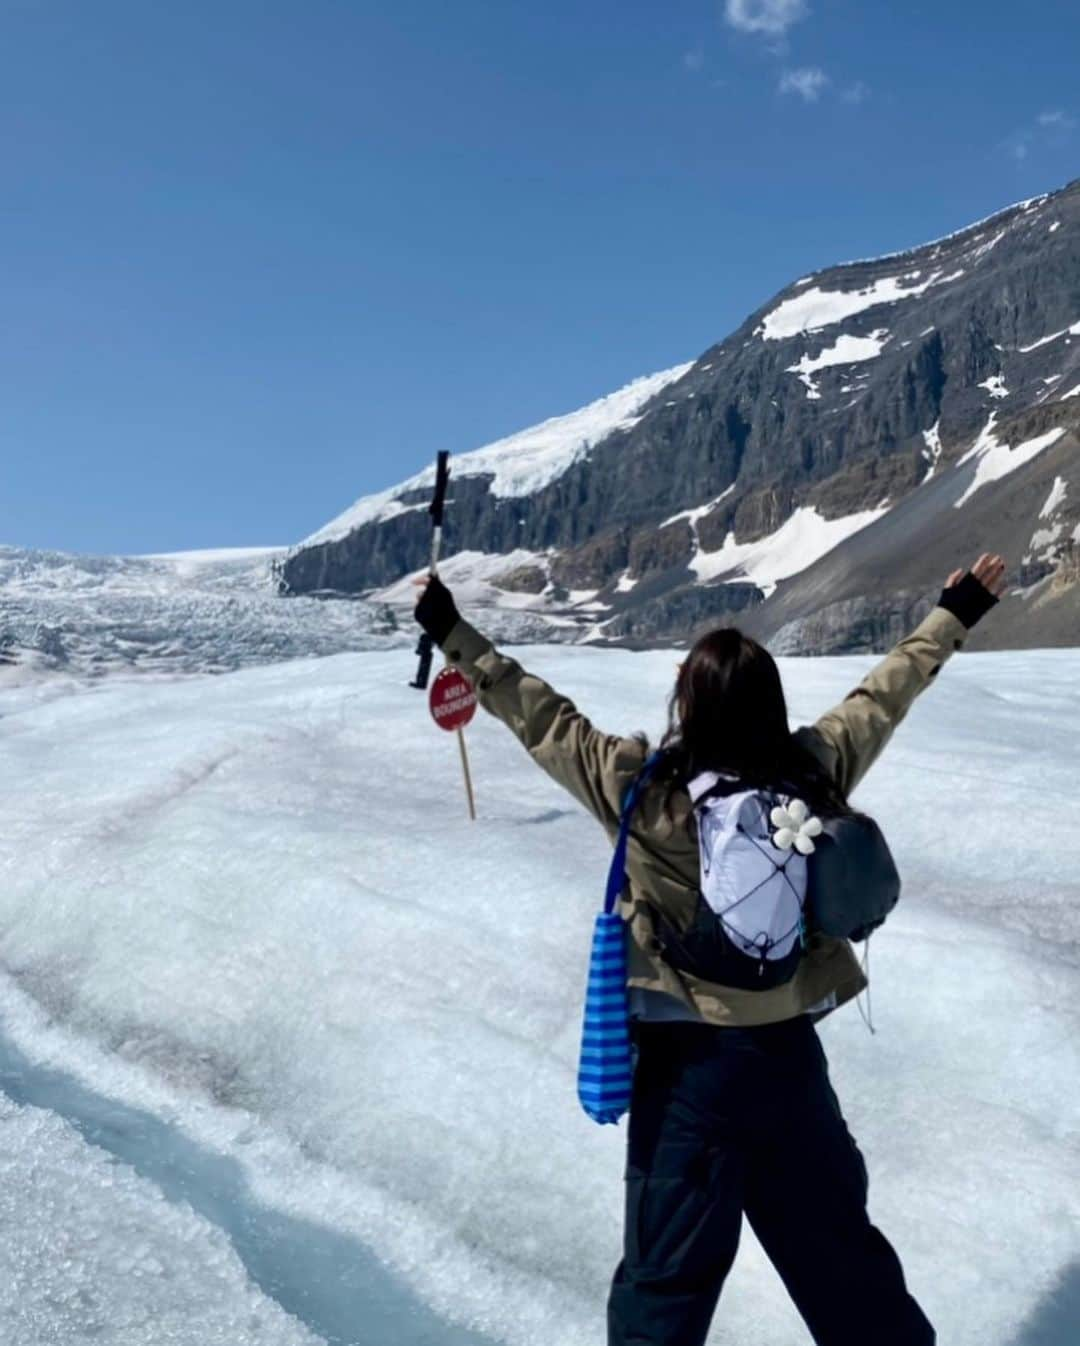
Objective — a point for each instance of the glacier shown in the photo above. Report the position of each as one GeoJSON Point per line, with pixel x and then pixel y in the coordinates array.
{"type": "Point", "coordinates": [252, 907]}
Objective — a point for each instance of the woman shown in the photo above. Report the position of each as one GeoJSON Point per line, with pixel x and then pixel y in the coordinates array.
{"type": "Point", "coordinates": [732, 1108]}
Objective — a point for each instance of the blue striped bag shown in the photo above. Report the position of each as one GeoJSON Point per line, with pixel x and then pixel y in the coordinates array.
{"type": "Point", "coordinates": [605, 1067]}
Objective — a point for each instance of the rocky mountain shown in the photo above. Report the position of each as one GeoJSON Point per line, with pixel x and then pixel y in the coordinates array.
{"type": "Point", "coordinates": [813, 476]}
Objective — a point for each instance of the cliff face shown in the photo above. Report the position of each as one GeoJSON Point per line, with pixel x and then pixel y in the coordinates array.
{"type": "Point", "coordinates": [813, 476]}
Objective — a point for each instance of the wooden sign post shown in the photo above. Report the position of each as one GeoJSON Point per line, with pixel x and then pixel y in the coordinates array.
{"type": "Point", "coordinates": [452, 701]}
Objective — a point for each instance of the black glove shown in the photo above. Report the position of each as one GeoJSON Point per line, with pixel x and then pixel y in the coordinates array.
{"type": "Point", "coordinates": [969, 599]}
{"type": "Point", "coordinates": [436, 612]}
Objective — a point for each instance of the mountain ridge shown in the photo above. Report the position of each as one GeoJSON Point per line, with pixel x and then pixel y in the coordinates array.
{"type": "Point", "coordinates": [842, 395]}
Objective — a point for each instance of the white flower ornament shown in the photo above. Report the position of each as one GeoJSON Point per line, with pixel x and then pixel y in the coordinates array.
{"type": "Point", "coordinates": [795, 826]}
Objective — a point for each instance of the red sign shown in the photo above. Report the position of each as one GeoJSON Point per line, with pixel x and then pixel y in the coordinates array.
{"type": "Point", "coordinates": [452, 700]}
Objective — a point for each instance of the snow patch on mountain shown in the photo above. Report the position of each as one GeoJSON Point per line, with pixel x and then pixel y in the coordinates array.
{"type": "Point", "coordinates": [521, 463]}
{"type": "Point", "coordinates": [1044, 540]}
{"type": "Point", "coordinates": [797, 543]}
{"type": "Point", "coordinates": [983, 248]}
{"type": "Point", "coordinates": [1074, 330]}
{"type": "Point", "coordinates": [996, 460]}
{"type": "Point", "coordinates": [985, 439]}
{"type": "Point", "coordinates": [1055, 498]}
{"type": "Point", "coordinates": [815, 309]}
{"type": "Point", "coordinates": [692, 516]}
{"type": "Point", "coordinates": [1025, 207]}
{"type": "Point", "coordinates": [932, 452]}
{"type": "Point", "coordinates": [994, 385]}
{"type": "Point", "coordinates": [848, 350]}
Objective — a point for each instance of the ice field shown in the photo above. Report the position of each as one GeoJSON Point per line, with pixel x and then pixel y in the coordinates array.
{"type": "Point", "coordinates": [251, 909]}
{"type": "Point", "coordinates": [93, 1252]}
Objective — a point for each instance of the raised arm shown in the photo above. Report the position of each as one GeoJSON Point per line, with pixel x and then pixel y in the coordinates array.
{"type": "Point", "coordinates": [596, 768]}
{"type": "Point", "coordinates": [850, 737]}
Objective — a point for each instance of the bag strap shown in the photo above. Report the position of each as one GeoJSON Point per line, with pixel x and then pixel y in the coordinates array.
{"type": "Point", "coordinates": [617, 873]}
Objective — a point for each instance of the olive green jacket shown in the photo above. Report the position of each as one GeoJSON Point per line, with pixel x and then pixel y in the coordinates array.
{"type": "Point", "coordinates": [662, 860]}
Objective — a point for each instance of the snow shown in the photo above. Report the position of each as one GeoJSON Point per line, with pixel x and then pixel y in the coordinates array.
{"type": "Point", "coordinates": [692, 516]}
{"type": "Point", "coordinates": [1023, 206]}
{"type": "Point", "coordinates": [995, 386]}
{"type": "Point", "coordinates": [932, 438]}
{"type": "Point", "coordinates": [848, 350]}
{"type": "Point", "coordinates": [1073, 392]}
{"type": "Point", "coordinates": [1054, 227]}
{"type": "Point", "coordinates": [520, 464]}
{"type": "Point", "coordinates": [93, 1253]}
{"type": "Point", "coordinates": [626, 583]}
{"type": "Point", "coordinates": [254, 905]}
{"type": "Point", "coordinates": [977, 253]}
{"type": "Point", "coordinates": [1074, 330]}
{"type": "Point", "coordinates": [1055, 498]}
{"type": "Point", "coordinates": [797, 543]}
{"type": "Point", "coordinates": [986, 439]}
{"type": "Point", "coordinates": [1042, 542]}
{"type": "Point", "coordinates": [996, 460]}
{"type": "Point", "coordinates": [815, 309]}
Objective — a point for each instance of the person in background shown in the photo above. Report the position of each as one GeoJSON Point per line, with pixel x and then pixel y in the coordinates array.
{"type": "Point", "coordinates": [732, 1109]}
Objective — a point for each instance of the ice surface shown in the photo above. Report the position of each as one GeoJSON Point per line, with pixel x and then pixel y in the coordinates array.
{"type": "Point", "coordinates": [254, 903]}
{"type": "Point", "coordinates": [189, 613]}
{"type": "Point", "coordinates": [91, 616]}
{"type": "Point", "coordinates": [92, 1253]}
{"type": "Point", "coordinates": [812, 310]}
{"type": "Point", "coordinates": [797, 543]}
{"type": "Point", "coordinates": [522, 463]}
{"type": "Point", "coordinates": [188, 562]}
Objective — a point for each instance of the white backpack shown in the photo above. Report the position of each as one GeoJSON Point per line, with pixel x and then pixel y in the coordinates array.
{"type": "Point", "coordinates": [749, 929]}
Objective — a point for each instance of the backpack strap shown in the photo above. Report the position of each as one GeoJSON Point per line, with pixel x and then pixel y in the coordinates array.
{"type": "Point", "coordinates": [617, 873]}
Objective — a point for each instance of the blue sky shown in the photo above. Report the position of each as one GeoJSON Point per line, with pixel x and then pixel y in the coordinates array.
{"type": "Point", "coordinates": [262, 256]}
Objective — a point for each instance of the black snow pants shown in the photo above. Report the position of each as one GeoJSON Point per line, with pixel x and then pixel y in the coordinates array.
{"type": "Point", "coordinates": [727, 1120]}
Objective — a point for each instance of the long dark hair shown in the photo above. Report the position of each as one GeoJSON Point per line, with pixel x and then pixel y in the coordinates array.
{"type": "Point", "coordinates": [728, 713]}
